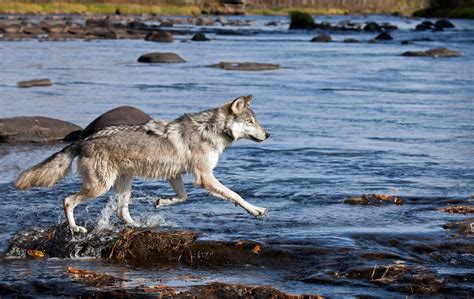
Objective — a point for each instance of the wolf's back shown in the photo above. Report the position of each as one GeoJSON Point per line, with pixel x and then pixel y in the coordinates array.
{"type": "Point", "coordinates": [50, 171]}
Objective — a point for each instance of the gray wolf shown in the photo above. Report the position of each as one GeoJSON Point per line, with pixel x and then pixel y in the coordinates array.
{"type": "Point", "coordinates": [158, 149]}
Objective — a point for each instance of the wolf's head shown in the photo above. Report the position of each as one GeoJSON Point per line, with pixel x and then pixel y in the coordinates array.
{"type": "Point", "coordinates": [241, 121]}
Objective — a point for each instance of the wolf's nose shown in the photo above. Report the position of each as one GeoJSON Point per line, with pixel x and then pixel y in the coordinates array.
{"type": "Point", "coordinates": [267, 135]}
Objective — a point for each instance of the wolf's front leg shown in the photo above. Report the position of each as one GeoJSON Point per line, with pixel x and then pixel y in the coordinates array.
{"type": "Point", "coordinates": [181, 195]}
{"type": "Point", "coordinates": [211, 184]}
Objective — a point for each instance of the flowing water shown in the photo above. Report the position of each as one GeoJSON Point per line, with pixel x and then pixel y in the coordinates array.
{"type": "Point", "coordinates": [345, 118]}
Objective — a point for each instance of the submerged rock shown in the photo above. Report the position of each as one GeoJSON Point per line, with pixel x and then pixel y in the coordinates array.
{"type": "Point", "coordinates": [160, 37]}
{"type": "Point", "coordinates": [245, 66]}
{"type": "Point", "coordinates": [462, 227]}
{"type": "Point", "coordinates": [458, 209]}
{"type": "Point", "coordinates": [384, 36]}
{"type": "Point", "coordinates": [437, 52]}
{"type": "Point", "coordinates": [160, 57]}
{"type": "Point", "coordinates": [351, 40]}
{"type": "Point", "coordinates": [373, 199]}
{"type": "Point", "coordinates": [36, 129]}
{"type": "Point", "coordinates": [36, 82]}
{"type": "Point", "coordinates": [323, 38]}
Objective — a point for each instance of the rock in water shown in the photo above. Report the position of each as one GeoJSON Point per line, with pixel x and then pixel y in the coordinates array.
{"type": "Point", "coordinates": [443, 24]}
{"type": "Point", "coordinates": [384, 36]}
{"type": "Point", "coordinates": [200, 37]}
{"type": "Point", "coordinates": [36, 129]}
{"type": "Point", "coordinates": [372, 26]}
{"type": "Point", "coordinates": [437, 52]}
{"type": "Point", "coordinates": [301, 20]}
{"type": "Point", "coordinates": [36, 82]}
{"type": "Point", "coordinates": [245, 66]}
{"type": "Point", "coordinates": [323, 38]}
{"type": "Point", "coordinates": [160, 37]}
{"type": "Point", "coordinates": [160, 57]}
{"type": "Point", "coordinates": [123, 115]}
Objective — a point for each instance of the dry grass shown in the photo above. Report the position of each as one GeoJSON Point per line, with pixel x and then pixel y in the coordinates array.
{"type": "Point", "coordinates": [23, 7]}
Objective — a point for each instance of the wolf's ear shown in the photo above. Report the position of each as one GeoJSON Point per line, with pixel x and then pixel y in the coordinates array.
{"type": "Point", "coordinates": [240, 104]}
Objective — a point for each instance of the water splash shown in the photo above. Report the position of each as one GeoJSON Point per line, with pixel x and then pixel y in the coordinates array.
{"type": "Point", "coordinates": [104, 220]}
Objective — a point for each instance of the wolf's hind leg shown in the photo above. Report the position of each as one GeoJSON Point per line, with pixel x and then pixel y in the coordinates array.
{"type": "Point", "coordinates": [123, 186]}
{"type": "Point", "coordinates": [181, 195]}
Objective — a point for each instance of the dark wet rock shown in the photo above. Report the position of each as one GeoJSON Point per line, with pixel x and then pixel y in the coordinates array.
{"type": "Point", "coordinates": [272, 23]}
{"type": "Point", "coordinates": [34, 83]}
{"type": "Point", "coordinates": [166, 23]}
{"type": "Point", "coordinates": [458, 209]}
{"type": "Point", "coordinates": [437, 52]}
{"type": "Point", "coordinates": [160, 57]}
{"type": "Point", "coordinates": [351, 40]}
{"type": "Point", "coordinates": [301, 20]}
{"type": "Point", "coordinates": [137, 24]}
{"type": "Point", "coordinates": [107, 286]}
{"type": "Point", "coordinates": [160, 37]}
{"type": "Point", "coordinates": [238, 291]}
{"type": "Point", "coordinates": [323, 38]}
{"type": "Point", "coordinates": [36, 129]}
{"type": "Point", "coordinates": [399, 277]}
{"type": "Point", "coordinates": [373, 199]}
{"type": "Point", "coordinates": [245, 66]}
{"type": "Point", "coordinates": [200, 37]}
{"type": "Point", "coordinates": [372, 26]}
{"type": "Point", "coordinates": [443, 24]}
{"type": "Point", "coordinates": [462, 227]}
{"type": "Point", "coordinates": [425, 25]}
{"type": "Point", "coordinates": [147, 247]}
{"type": "Point", "coordinates": [406, 42]}
{"type": "Point", "coordinates": [123, 115]}
{"type": "Point", "coordinates": [389, 27]}
{"type": "Point", "coordinates": [384, 36]}
{"type": "Point", "coordinates": [240, 32]}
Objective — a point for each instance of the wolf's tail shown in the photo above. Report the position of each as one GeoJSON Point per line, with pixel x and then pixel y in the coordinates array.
{"type": "Point", "coordinates": [51, 170]}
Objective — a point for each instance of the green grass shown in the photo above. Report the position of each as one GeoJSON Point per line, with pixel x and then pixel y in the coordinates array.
{"type": "Point", "coordinates": [95, 8]}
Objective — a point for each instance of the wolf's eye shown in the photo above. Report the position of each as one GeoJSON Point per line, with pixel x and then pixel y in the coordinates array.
{"type": "Point", "coordinates": [249, 121]}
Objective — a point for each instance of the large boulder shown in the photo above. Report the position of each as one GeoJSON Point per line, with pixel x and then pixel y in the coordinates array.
{"type": "Point", "coordinates": [323, 38]}
{"type": "Point", "coordinates": [437, 52]}
{"type": "Point", "coordinates": [160, 57]}
{"type": "Point", "coordinates": [245, 66]}
{"type": "Point", "coordinates": [36, 129]}
{"type": "Point", "coordinates": [159, 36]}
{"type": "Point", "coordinates": [123, 115]}
{"type": "Point", "coordinates": [301, 20]}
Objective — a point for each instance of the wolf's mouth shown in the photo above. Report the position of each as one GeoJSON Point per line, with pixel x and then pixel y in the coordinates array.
{"type": "Point", "coordinates": [255, 139]}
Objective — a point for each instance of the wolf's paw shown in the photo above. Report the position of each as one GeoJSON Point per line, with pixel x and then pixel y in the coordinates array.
{"type": "Point", "coordinates": [163, 201]}
{"type": "Point", "coordinates": [258, 212]}
{"type": "Point", "coordinates": [79, 229]}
